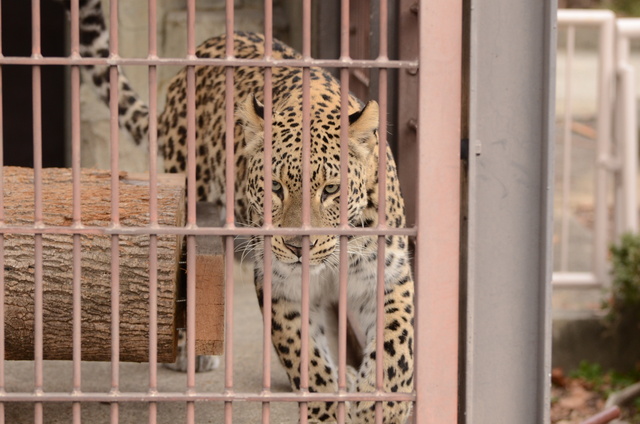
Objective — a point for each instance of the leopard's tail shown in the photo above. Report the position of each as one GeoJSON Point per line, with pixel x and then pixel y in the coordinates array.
{"type": "Point", "coordinates": [133, 113]}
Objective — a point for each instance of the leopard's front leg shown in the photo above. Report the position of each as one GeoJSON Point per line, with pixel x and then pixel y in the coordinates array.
{"type": "Point", "coordinates": [286, 329]}
{"type": "Point", "coordinates": [397, 355]}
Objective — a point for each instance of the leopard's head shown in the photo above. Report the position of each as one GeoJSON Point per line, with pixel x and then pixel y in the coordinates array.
{"type": "Point", "coordinates": [324, 176]}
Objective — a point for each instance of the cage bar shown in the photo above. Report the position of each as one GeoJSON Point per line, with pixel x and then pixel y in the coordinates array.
{"type": "Point", "coordinates": [77, 212]}
{"type": "Point", "coordinates": [2, 262]}
{"type": "Point", "coordinates": [437, 215]}
{"type": "Point", "coordinates": [153, 213]}
{"type": "Point", "coordinates": [115, 212]}
{"type": "Point", "coordinates": [267, 213]}
{"type": "Point", "coordinates": [38, 324]}
{"type": "Point", "coordinates": [230, 202]}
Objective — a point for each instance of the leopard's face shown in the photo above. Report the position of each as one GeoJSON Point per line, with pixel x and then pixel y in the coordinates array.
{"type": "Point", "coordinates": [324, 193]}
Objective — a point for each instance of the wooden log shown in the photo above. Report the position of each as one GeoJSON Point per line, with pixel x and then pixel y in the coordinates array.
{"type": "Point", "coordinates": [57, 264]}
{"type": "Point", "coordinates": [209, 284]}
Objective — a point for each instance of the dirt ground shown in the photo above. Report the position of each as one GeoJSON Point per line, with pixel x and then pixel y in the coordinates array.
{"type": "Point", "coordinates": [573, 400]}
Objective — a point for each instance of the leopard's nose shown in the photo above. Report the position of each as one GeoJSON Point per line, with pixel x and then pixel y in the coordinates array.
{"type": "Point", "coordinates": [295, 246]}
{"type": "Point", "coordinates": [296, 250]}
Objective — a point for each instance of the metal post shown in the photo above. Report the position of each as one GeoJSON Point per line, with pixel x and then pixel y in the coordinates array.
{"type": "Point", "coordinates": [437, 213]}
{"type": "Point", "coordinates": [511, 114]}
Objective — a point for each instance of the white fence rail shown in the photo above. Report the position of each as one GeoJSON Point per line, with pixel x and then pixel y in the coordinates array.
{"type": "Point", "coordinates": [615, 207]}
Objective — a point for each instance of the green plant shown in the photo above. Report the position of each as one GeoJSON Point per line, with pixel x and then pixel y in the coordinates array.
{"type": "Point", "coordinates": [626, 7]}
{"type": "Point", "coordinates": [602, 382]}
{"type": "Point", "coordinates": [591, 373]}
{"type": "Point", "coordinates": [625, 288]}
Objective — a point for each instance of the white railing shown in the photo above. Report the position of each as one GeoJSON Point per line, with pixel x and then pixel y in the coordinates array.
{"type": "Point", "coordinates": [626, 125]}
{"type": "Point", "coordinates": [604, 23]}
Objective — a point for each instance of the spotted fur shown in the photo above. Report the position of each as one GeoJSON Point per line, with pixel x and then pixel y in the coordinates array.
{"type": "Point", "coordinates": [287, 205]}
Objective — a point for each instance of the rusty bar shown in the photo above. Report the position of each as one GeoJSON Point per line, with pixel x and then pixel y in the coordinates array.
{"type": "Point", "coordinates": [115, 213]}
{"type": "Point", "coordinates": [604, 417]}
{"type": "Point", "coordinates": [191, 210]}
{"type": "Point", "coordinates": [153, 213]}
{"type": "Point", "coordinates": [229, 230]}
{"type": "Point", "coordinates": [230, 203]}
{"type": "Point", "coordinates": [38, 327]}
{"type": "Point", "coordinates": [268, 183]}
{"type": "Point", "coordinates": [437, 214]}
{"type": "Point", "coordinates": [234, 62]}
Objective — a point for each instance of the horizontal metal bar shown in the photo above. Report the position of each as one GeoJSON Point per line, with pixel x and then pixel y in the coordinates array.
{"type": "Point", "coordinates": [576, 280]}
{"type": "Point", "coordinates": [628, 27]}
{"type": "Point", "coordinates": [584, 17]}
{"type": "Point", "coordinates": [228, 396]}
{"type": "Point", "coordinates": [233, 62]}
{"type": "Point", "coordinates": [209, 231]}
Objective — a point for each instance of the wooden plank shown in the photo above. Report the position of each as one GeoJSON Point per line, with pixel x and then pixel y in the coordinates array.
{"type": "Point", "coordinates": [210, 276]}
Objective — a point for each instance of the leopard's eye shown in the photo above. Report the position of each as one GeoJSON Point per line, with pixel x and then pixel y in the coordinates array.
{"type": "Point", "coordinates": [277, 189]}
{"type": "Point", "coordinates": [331, 188]}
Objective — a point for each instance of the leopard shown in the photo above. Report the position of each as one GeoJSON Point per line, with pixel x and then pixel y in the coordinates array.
{"type": "Point", "coordinates": [322, 251]}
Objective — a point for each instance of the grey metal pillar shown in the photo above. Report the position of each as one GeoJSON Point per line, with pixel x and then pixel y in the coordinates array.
{"type": "Point", "coordinates": [507, 341]}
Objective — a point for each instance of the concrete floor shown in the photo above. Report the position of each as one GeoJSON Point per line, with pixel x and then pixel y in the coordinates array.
{"type": "Point", "coordinates": [96, 377]}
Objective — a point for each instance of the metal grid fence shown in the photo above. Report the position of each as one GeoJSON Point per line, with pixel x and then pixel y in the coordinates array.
{"type": "Point", "coordinates": [436, 232]}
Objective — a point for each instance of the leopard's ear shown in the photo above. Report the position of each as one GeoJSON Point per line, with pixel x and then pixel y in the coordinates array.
{"type": "Point", "coordinates": [251, 114]}
{"type": "Point", "coordinates": [363, 129]}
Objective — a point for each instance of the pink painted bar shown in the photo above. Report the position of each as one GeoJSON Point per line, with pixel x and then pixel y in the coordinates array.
{"type": "Point", "coordinates": [133, 397]}
{"type": "Point", "coordinates": [344, 184]}
{"type": "Point", "coordinates": [294, 63]}
{"type": "Point", "coordinates": [306, 220]}
{"type": "Point", "coordinates": [77, 212]}
{"type": "Point", "coordinates": [230, 202]}
{"type": "Point", "coordinates": [204, 231]}
{"type": "Point", "coordinates": [38, 327]}
{"type": "Point", "coordinates": [115, 213]}
{"type": "Point", "coordinates": [437, 214]}
{"type": "Point", "coordinates": [382, 207]}
{"type": "Point", "coordinates": [153, 212]}
{"type": "Point", "coordinates": [268, 181]}
{"type": "Point", "coordinates": [2, 280]}
{"type": "Point", "coordinates": [191, 211]}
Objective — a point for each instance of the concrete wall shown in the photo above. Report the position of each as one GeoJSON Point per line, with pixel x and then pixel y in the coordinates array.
{"type": "Point", "coordinates": [172, 41]}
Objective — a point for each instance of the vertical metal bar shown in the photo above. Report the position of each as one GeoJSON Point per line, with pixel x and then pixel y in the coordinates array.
{"type": "Point", "coordinates": [191, 210]}
{"type": "Point", "coordinates": [382, 207]}
{"type": "Point", "coordinates": [344, 205]}
{"type": "Point", "coordinates": [2, 279]}
{"type": "Point", "coordinates": [306, 212]}
{"type": "Point", "coordinates": [605, 84]}
{"type": "Point", "coordinates": [115, 211]}
{"type": "Point", "coordinates": [628, 137]}
{"type": "Point", "coordinates": [77, 215]}
{"type": "Point", "coordinates": [230, 203]}
{"type": "Point", "coordinates": [437, 245]}
{"type": "Point", "coordinates": [153, 212]}
{"type": "Point", "coordinates": [268, 182]}
{"type": "Point", "coordinates": [566, 157]}
{"type": "Point", "coordinates": [38, 218]}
